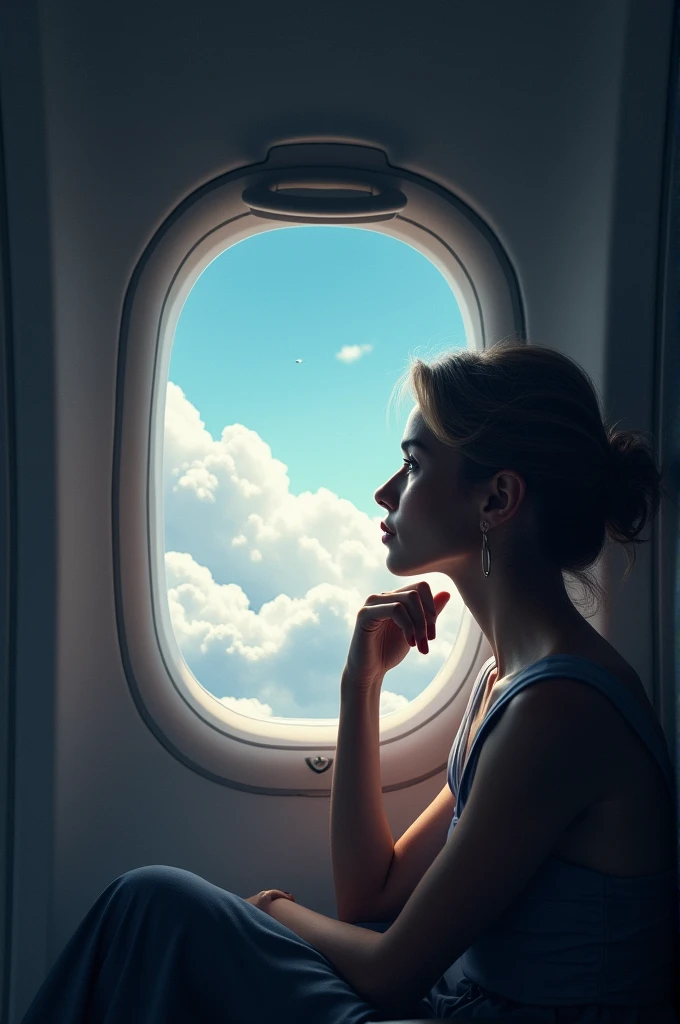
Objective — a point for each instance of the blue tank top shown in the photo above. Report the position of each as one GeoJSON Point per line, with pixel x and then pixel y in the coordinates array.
{"type": "Point", "coordinates": [574, 935]}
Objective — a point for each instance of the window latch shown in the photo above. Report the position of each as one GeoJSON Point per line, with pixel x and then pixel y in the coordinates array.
{"type": "Point", "coordinates": [319, 764]}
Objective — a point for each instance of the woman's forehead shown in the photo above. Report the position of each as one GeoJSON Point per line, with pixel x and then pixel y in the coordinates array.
{"type": "Point", "coordinates": [416, 430]}
{"type": "Point", "coordinates": [415, 425]}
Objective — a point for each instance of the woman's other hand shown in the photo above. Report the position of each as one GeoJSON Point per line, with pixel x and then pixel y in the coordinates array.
{"type": "Point", "coordinates": [263, 900]}
{"type": "Point", "coordinates": [387, 625]}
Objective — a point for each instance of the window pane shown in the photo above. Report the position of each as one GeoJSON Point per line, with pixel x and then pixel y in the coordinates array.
{"type": "Point", "coordinates": [276, 439]}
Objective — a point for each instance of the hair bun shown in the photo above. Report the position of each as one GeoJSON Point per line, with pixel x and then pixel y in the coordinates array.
{"type": "Point", "coordinates": [632, 484]}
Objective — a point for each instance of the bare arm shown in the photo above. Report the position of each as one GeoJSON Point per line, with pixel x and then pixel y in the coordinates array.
{"type": "Point", "coordinates": [374, 878]}
{"type": "Point", "coordinates": [351, 950]}
{"type": "Point", "coordinates": [361, 840]}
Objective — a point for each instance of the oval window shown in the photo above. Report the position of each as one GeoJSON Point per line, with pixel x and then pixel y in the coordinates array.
{"type": "Point", "coordinates": [276, 438]}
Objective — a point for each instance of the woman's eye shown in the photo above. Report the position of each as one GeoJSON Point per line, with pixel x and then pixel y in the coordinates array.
{"type": "Point", "coordinates": [409, 462]}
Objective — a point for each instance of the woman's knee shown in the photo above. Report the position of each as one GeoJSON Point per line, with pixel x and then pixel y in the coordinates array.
{"type": "Point", "coordinates": [155, 879]}
{"type": "Point", "coordinates": [169, 885]}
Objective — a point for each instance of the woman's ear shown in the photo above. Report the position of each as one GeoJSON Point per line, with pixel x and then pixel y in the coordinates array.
{"type": "Point", "coordinates": [506, 494]}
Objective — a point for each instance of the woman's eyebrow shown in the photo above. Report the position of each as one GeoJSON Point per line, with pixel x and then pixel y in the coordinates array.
{"type": "Point", "coordinates": [413, 442]}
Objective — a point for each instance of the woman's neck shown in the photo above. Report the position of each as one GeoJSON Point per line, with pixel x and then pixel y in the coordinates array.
{"type": "Point", "coordinates": [525, 614]}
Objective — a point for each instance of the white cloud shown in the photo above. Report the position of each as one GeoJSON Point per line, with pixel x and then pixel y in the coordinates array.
{"type": "Point", "coordinates": [250, 706]}
{"type": "Point", "coordinates": [351, 353]}
{"type": "Point", "coordinates": [391, 701]}
{"type": "Point", "coordinates": [263, 585]}
{"type": "Point", "coordinates": [254, 708]}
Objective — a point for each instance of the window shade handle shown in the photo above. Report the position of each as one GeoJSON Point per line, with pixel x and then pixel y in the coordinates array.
{"type": "Point", "coordinates": [381, 203]}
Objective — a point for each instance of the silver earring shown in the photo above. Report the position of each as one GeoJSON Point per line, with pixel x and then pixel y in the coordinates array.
{"type": "Point", "coordinates": [486, 554]}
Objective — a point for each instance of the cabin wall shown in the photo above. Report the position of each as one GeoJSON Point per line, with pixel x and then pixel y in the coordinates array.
{"type": "Point", "coordinates": [547, 119]}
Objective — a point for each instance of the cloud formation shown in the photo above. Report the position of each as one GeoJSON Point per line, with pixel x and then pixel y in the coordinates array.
{"type": "Point", "coordinates": [351, 353]}
{"type": "Point", "coordinates": [263, 585]}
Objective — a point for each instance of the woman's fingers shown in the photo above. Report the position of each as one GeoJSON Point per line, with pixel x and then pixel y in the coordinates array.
{"type": "Point", "coordinates": [410, 612]}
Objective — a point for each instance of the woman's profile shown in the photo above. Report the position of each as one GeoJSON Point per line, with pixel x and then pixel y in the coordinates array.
{"type": "Point", "coordinates": [541, 883]}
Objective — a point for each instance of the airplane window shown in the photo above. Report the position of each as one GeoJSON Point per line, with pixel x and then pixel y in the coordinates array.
{"type": "Point", "coordinates": [275, 440]}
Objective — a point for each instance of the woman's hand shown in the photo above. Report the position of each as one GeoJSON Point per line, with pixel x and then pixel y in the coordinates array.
{"type": "Point", "coordinates": [263, 900]}
{"type": "Point", "coordinates": [387, 625]}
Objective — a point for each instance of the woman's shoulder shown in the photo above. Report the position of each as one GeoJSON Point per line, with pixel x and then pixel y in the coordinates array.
{"type": "Point", "coordinates": [621, 672]}
{"type": "Point", "coordinates": [579, 703]}
{"type": "Point", "coordinates": [601, 654]}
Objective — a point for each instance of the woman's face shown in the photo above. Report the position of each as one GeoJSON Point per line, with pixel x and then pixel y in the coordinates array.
{"type": "Point", "coordinates": [435, 515]}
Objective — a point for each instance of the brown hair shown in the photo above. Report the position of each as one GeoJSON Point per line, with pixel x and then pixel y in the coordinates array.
{"type": "Point", "coordinates": [536, 411]}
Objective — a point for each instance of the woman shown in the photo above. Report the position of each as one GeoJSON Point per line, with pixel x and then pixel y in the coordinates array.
{"type": "Point", "coordinates": [541, 883]}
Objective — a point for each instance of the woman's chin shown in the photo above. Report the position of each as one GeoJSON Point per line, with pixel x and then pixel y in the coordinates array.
{"type": "Point", "coordinates": [400, 566]}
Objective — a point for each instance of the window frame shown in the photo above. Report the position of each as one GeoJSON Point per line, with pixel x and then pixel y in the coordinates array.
{"type": "Point", "coordinates": [210, 738]}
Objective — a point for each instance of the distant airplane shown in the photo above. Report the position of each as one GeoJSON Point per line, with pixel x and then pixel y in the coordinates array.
{"type": "Point", "coordinates": [298, 360]}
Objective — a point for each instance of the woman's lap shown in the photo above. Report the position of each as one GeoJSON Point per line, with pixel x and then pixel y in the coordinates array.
{"type": "Point", "coordinates": [161, 945]}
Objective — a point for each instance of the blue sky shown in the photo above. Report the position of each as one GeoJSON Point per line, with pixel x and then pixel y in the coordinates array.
{"type": "Point", "coordinates": [270, 466]}
{"type": "Point", "coordinates": [305, 293]}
